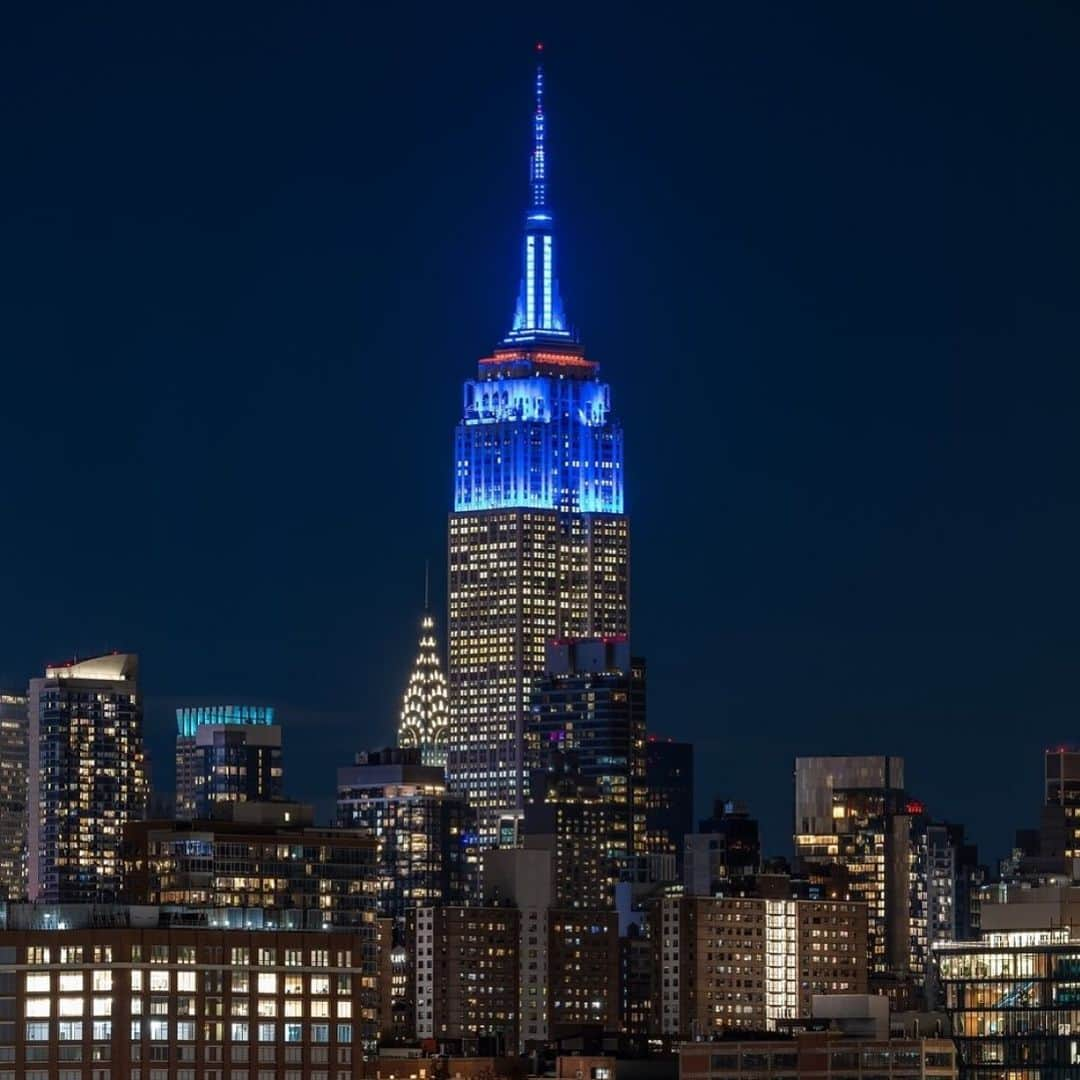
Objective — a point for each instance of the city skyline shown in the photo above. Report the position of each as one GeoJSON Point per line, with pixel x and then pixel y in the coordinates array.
{"type": "Point", "coordinates": [774, 637]}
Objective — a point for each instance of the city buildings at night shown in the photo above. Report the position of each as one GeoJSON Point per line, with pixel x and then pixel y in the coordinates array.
{"type": "Point", "coordinates": [724, 855]}
{"type": "Point", "coordinates": [1059, 824]}
{"type": "Point", "coordinates": [14, 757]}
{"type": "Point", "coordinates": [669, 805]}
{"type": "Point", "coordinates": [1013, 996]}
{"type": "Point", "coordinates": [130, 994]}
{"type": "Point", "coordinates": [849, 811]}
{"type": "Point", "coordinates": [226, 753]}
{"type": "Point", "coordinates": [88, 777]}
{"type": "Point", "coordinates": [463, 975]}
{"type": "Point", "coordinates": [750, 963]}
{"type": "Point", "coordinates": [425, 707]}
{"type": "Point", "coordinates": [425, 833]}
{"type": "Point", "coordinates": [265, 855]}
{"type": "Point", "coordinates": [588, 711]}
{"type": "Point", "coordinates": [539, 543]}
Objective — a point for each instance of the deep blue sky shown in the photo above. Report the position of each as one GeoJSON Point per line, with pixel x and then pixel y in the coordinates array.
{"type": "Point", "coordinates": [826, 254]}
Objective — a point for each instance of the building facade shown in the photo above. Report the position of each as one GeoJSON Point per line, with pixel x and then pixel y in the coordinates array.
{"type": "Point", "coordinates": [852, 812]}
{"type": "Point", "coordinates": [1059, 824]}
{"type": "Point", "coordinates": [424, 832]}
{"type": "Point", "coordinates": [134, 1002]}
{"type": "Point", "coordinates": [725, 964]}
{"type": "Point", "coordinates": [820, 1055]}
{"type": "Point", "coordinates": [14, 759]}
{"type": "Point", "coordinates": [724, 855]}
{"type": "Point", "coordinates": [590, 709]}
{"type": "Point", "coordinates": [88, 777]}
{"type": "Point", "coordinates": [328, 876]}
{"type": "Point", "coordinates": [1013, 996]}
{"type": "Point", "coordinates": [539, 543]}
{"type": "Point", "coordinates": [463, 970]}
{"type": "Point", "coordinates": [669, 805]}
{"type": "Point", "coordinates": [225, 754]}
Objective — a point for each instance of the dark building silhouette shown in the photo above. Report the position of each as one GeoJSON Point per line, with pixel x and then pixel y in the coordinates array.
{"type": "Point", "coordinates": [669, 801]}
{"type": "Point", "coordinates": [724, 855]}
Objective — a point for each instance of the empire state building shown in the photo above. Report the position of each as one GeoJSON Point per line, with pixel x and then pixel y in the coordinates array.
{"type": "Point", "coordinates": [539, 545]}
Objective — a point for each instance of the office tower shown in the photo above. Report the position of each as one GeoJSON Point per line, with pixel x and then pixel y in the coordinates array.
{"type": "Point", "coordinates": [466, 1000]}
{"type": "Point", "coordinates": [590, 708]}
{"type": "Point", "coordinates": [425, 709]}
{"type": "Point", "coordinates": [945, 880]}
{"type": "Point", "coordinates": [583, 966]}
{"type": "Point", "coordinates": [1059, 825]}
{"type": "Point", "coordinates": [263, 855]}
{"type": "Point", "coordinates": [669, 803]}
{"type": "Point", "coordinates": [724, 855]}
{"type": "Point", "coordinates": [225, 754]}
{"type": "Point", "coordinates": [569, 816]}
{"type": "Point", "coordinates": [538, 541]}
{"type": "Point", "coordinates": [126, 994]}
{"type": "Point", "coordinates": [568, 980]}
{"type": "Point", "coordinates": [425, 832]}
{"type": "Point", "coordinates": [88, 777]}
{"type": "Point", "coordinates": [851, 811]}
{"type": "Point", "coordinates": [1012, 996]}
{"type": "Point", "coordinates": [14, 756]}
{"type": "Point", "coordinates": [724, 963]}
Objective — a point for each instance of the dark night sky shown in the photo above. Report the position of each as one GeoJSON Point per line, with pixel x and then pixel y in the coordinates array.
{"type": "Point", "coordinates": [826, 254]}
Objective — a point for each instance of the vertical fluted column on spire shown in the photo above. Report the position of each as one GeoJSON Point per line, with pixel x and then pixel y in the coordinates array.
{"type": "Point", "coordinates": [539, 313]}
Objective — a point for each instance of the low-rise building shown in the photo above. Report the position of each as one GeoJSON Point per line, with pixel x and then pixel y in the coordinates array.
{"type": "Point", "coordinates": [94, 993]}
{"type": "Point", "coordinates": [819, 1055]}
{"type": "Point", "coordinates": [1013, 997]}
{"type": "Point", "coordinates": [726, 963]}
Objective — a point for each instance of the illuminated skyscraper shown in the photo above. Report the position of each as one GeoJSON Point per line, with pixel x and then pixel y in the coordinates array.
{"type": "Point", "coordinates": [539, 545]}
{"type": "Point", "coordinates": [425, 708]}
{"type": "Point", "coordinates": [226, 753]}
{"type": "Point", "coordinates": [13, 761]}
{"type": "Point", "coordinates": [88, 777]}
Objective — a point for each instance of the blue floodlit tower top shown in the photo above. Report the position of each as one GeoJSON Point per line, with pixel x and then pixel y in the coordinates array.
{"type": "Point", "coordinates": [539, 313]}
{"type": "Point", "coordinates": [189, 720]}
{"type": "Point", "coordinates": [537, 429]}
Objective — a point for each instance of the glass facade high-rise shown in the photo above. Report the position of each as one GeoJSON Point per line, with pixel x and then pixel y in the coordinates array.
{"type": "Point", "coordinates": [588, 714]}
{"type": "Point", "coordinates": [539, 544]}
{"type": "Point", "coordinates": [88, 777]}
{"type": "Point", "coordinates": [13, 767]}
{"type": "Point", "coordinates": [424, 832]}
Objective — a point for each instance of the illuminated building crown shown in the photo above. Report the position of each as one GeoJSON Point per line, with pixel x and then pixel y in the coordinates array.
{"type": "Point", "coordinates": [539, 313]}
{"type": "Point", "coordinates": [537, 430]}
{"type": "Point", "coordinates": [425, 709]}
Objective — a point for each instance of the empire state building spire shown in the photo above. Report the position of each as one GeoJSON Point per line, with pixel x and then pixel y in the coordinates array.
{"type": "Point", "coordinates": [539, 314]}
